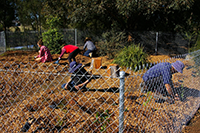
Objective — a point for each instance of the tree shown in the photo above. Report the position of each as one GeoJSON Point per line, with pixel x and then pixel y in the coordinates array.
{"type": "Point", "coordinates": [7, 13]}
{"type": "Point", "coordinates": [59, 8]}
{"type": "Point", "coordinates": [102, 15]}
{"type": "Point", "coordinates": [29, 13]}
{"type": "Point", "coordinates": [195, 16]}
{"type": "Point", "coordinates": [132, 14]}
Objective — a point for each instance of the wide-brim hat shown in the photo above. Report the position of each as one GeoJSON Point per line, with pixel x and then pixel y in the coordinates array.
{"type": "Point", "coordinates": [74, 66]}
{"type": "Point", "coordinates": [179, 66]}
{"type": "Point", "coordinates": [86, 39]}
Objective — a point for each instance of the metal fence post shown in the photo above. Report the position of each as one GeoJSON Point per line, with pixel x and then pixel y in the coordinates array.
{"type": "Point", "coordinates": [2, 42]}
{"type": "Point", "coordinates": [121, 101]}
{"type": "Point", "coordinates": [75, 37]}
{"type": "Point", "coordinates": [156, 49]}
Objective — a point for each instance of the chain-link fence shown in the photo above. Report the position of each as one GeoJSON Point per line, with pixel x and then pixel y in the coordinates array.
{"type": "Point", "coordinates": [29, 39]}
{"type": "Point", "coordinates": [35, 98]}
{"type": "Point", "coordinates": [161, 42]}
{"type": "Point", "coordinates": [22, 40]}
{"type": "Point", "coordinates": [153, 42]}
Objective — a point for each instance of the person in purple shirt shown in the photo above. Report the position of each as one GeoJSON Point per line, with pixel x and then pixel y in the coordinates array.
{"type": "Point", "coordinates": [159, 77]}
{"type": "Point", "coordinates": [91, 48]}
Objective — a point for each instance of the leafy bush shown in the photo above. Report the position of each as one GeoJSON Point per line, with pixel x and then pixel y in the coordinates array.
{"type": "Point", "coordinates": [113, 41]}
{"type": "Point", "coordinates": [1, 27]}
{"type": "Point", "coordinates": [193, 39]}
{"type": "Point", "coordinates": [196, 45]}
{"type": "Point", "coordinates": [52, 38]}
{"type": "Point", "coordinates": [131, 56]}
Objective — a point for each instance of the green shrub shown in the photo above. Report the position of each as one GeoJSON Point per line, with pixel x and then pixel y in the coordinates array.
{"type": "Point", "coordinates": [1, 27]}
{"type": "Point", "coordinates": [193, 39]}
{"type": "Point", "coordinates": [196, 45]}
{"type": "Point", "coordinates": [52, 38]}
{"type": "Point", "coordinates": [131, 56]}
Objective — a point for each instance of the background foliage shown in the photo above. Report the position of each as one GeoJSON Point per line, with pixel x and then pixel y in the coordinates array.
{"type": "Point", "coordinates": [103, 15]}
{"type": "Point", "coordinates": [100, 16]}
{"type": "Point", "coordinates": [111, 43]}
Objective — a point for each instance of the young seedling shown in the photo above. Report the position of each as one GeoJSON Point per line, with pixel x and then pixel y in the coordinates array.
{"type": "Point", "coordinates": [103, 119]}
{"type": "Point", "coordinates": [149, 97]}
{"type": "Point", "coordinates": [60, 121]}
{"type": "Point", "coordinates": [182, 91]}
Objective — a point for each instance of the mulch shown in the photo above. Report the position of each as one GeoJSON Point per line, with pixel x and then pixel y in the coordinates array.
{"type": "Point", "coordinates": [31, 90]}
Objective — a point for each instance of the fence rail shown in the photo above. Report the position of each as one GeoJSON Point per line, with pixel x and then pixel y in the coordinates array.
{"type": "Point", "coordinates": [33, 100]}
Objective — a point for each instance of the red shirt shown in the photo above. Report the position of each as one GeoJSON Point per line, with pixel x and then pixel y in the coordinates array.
{"type": "Point", "coordinates": [70, 48]}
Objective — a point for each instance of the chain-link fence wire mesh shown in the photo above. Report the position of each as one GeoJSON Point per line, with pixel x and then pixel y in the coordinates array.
{"type": "Point", "coordinates": [151, 112]}
{"type": "Point", "coordinates": [29, 39]}
{"type": "Point", "coordinates": [33, 99]}
{"type": "Point", "coordinates": [153, 42]}
{"type": "Point", "coordinates": [161, 42]}
{"type": "Point", "coordinates": [22, 40]}
{"type": "Point", "coordinates": [38, 90]}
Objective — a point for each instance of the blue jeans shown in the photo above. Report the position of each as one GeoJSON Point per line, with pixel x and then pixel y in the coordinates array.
{"type": "Point", "coordinates": [87, 53]}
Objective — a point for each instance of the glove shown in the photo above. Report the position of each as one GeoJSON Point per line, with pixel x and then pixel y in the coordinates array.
{"type": "Point", "coordinates": [63, 86]}
{"type": "Point", "coordinates": [57, 62]}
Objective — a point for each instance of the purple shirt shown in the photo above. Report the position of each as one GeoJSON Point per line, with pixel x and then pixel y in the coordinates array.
{"type": "Point", "coordinates": [162, 70]}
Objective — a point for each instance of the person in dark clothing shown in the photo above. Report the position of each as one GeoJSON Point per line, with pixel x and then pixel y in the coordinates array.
{"type": "Point", "coordinates": [79, 79]}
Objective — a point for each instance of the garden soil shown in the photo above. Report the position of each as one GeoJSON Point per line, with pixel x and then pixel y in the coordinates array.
{"type": "Point", "coordinates": [15, 111]}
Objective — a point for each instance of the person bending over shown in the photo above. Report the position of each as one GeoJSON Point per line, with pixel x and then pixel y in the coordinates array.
{"type": "Point", "coordinates": [72, 50]}
{"type": "Point", "coordinates": [159, 78]}
{"type": "Point", "coordinates": [79, 79]}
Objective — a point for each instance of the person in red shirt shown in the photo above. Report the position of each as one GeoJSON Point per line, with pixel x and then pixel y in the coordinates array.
{"type": "Point", "coordinates": [72, 50]}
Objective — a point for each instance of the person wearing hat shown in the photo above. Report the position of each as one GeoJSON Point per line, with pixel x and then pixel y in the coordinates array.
{"type": "Point", "coordinates": [91, 48]}
{"type": "Point", "coordinates": [72, 50]}
{"type": "Point", "coordinates": [79, 79]}
{"type": "Point", "coordinates": [159, 78]}
{"type": "Point", "coordinates": [44, 53]}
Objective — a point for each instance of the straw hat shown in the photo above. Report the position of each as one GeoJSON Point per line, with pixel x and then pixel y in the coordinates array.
{"type": "Point", "coordinates": [179, 66]}
{"type": "Point", "coordinates": [86, 39]}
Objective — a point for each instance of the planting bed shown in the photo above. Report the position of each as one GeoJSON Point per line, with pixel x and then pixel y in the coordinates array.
{"type": "Point", "coordinates": [33, 91]}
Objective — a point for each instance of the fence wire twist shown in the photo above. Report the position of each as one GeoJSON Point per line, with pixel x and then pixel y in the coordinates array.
{"type": "Point", "coordinates": [33, 99]}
